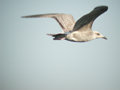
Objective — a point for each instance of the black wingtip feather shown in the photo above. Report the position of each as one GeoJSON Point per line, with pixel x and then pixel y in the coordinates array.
{"type": "Point", "coordinates": [90, 17]}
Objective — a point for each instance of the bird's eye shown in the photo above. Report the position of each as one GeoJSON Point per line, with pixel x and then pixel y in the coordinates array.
{"type": "Point", "coordinates": [98, 33]}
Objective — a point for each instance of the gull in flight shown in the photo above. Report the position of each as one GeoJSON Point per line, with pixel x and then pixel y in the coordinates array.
{"type": "Point", "coordinates": [79, 31]}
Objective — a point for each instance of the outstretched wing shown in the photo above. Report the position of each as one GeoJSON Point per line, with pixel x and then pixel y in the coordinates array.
{"type": "Point", "coordinates": [66, 21]}
{"type": "Point", "coordinates": [88, 19]}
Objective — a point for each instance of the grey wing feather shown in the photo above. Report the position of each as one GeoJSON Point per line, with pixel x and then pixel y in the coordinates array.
{"type": "Point", "coordinates": [66, 21]}
{"type": "Point", "coordinates": [89, 18]}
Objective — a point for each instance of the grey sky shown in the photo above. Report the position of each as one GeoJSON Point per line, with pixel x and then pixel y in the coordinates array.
{"type": "Point", "coordinates": [31, 60]}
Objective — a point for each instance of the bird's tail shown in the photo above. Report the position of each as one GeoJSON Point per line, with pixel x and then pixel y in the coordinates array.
{"type": "Point", "coordinates": [58, 36]}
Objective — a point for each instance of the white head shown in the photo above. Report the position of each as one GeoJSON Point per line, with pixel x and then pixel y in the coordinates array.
{"type": "Point", "coordinates": [98, 35]}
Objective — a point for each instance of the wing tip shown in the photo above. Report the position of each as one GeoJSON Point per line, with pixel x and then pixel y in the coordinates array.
{"type": "Point", "coordinates": [22, 16]}
{"type": "Point", "coordinates": [49, 34]}
{"type": "Point", "coordinates": [102, 8]}
{"type": "Point", "coordinates": [25, 16]}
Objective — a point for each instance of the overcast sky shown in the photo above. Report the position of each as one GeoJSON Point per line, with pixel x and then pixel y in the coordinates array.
{"type": "Point", "coordinates": [31, 60]}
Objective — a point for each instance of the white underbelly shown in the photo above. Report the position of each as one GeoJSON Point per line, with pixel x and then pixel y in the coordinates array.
{"type": "Point", "coordinates": [79, 36]}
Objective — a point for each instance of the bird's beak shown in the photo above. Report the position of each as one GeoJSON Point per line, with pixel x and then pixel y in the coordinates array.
{"type": "Point", "coordinates": [105, 38]}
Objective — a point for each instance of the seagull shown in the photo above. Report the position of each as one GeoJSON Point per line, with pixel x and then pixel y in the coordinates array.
{"type": "Point", "coordinates": [79, 31]}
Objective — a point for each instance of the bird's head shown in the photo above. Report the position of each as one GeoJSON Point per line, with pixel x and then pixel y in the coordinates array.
{"type": "Point", "coordinates": [99, 35]}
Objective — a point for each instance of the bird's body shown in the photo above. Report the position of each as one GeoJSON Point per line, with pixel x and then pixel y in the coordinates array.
{"type": "Point", "coordinates": [79, 36]}
{"type": "Point", "coordinates": [83, 34]}
{"type": "Point", "coordinates": [81, 31]}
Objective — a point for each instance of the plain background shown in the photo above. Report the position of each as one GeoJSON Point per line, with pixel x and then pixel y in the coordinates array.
{"type": "Point", "coordinates": [31, 60]}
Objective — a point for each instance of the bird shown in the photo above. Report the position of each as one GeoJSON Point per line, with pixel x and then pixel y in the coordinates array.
{"type": "Point", "coordinates": [79, 31]}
